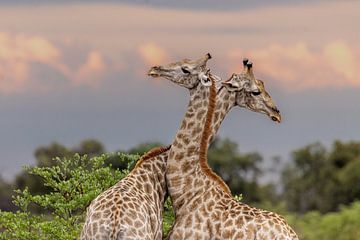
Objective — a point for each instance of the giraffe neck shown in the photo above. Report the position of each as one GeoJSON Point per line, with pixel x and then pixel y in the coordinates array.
{"type": "Point", "coordinates": [225, 101]}
{"type": "Point", "coordinates": [183, 167]}
{"type": "Point", "coordinates": [204, 143]}
{"type": "Point", "coordinates": [210, 131]}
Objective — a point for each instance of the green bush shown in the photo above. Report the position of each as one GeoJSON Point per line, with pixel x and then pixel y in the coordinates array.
{"type": "Point", "coordinates": [73, 183]}
{"type": "Point", "coordinates": [168, 217]}
{"type": "Point", "coordinates": [342, 225]}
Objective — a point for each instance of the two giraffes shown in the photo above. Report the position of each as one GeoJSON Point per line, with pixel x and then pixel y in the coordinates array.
{"type": "Point", "coordinates": [203, 205]}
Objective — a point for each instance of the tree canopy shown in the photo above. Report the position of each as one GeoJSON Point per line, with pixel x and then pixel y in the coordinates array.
{"type": "Point", "coordinates": [322, 179]}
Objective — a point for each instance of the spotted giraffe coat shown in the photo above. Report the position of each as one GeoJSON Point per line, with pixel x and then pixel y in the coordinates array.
{"type": "Point", "coordinates": [132, 208]}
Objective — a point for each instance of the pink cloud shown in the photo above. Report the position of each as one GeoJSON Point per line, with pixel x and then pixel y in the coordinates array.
{"type": "Point", "coordinates": [13, 75]}
{"type": "Point", "coordinates": [341, 58]}
{"type": "Point", "coordinates": [295, 51]}
{"type": "Point", "coordinates": [18, 52]}
{"type": "Point", "coordinates": [91, 71]}
{"type": "Point", "coordinates": [27, 48]}
{"type": "Point", "coordinates": [297, 67]}
{"type": "Point", "coordinates": [152, 54]}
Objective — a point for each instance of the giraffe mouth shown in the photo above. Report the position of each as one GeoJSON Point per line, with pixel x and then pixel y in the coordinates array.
{"type": "Point", "coordinates": [274, 114]}
{"type": "Point", "coordinates": [159, 71]}
{"type": "Point", "coordinates": [154, 73]}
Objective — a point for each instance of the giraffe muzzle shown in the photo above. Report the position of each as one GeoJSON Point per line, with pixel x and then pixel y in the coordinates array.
{"type": "Point", "coordinates": [274, 114]}
{"type": "Point", "coordinates": [155, 72]}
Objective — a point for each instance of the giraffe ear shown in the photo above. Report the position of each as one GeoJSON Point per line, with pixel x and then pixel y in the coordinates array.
{"type": "Point", "coordinates": [231, 84]}
{"type": "Point", "coordinates": [204, 79]}
{"type": "Point", "coordinates": [216, 80]}
{"type": "Point", "coordinates": [215, 77]}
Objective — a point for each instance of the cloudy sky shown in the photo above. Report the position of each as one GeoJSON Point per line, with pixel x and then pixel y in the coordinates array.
{"type": "Point", "coordinates": [71, 70]}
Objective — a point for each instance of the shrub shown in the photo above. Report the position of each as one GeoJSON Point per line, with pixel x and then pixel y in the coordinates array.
{"type": "Point", "coordinates": [342, 225]}
{"type": "Point", "coordinates": [73, 183]}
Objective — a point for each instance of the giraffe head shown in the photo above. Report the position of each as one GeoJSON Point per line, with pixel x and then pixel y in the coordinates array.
{"type": "Point", "coordinates": [251, 92]}
{"type": "Point", "coordinates": [186, 73]}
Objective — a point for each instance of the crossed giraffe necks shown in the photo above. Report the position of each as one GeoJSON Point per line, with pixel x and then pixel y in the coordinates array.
{"type": "Point", "coordinates": [204, 143]}
{"type": "Point", "coordinates": [184, 168]}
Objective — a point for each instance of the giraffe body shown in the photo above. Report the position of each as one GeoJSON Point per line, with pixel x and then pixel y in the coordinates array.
{"type": "Point", "coordinates": [132, 208]}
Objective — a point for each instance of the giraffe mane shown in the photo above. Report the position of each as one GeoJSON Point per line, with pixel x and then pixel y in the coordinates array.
{"type": "Point", "coordinates": [152, 153]}
{"type": "Point", "coordinates": [204, 142]}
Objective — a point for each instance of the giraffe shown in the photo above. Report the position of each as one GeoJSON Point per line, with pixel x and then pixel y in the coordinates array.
{"type": "Point", "coordinates": [133, 208]}
{"type": "Point", "coordinates": [203, 205]}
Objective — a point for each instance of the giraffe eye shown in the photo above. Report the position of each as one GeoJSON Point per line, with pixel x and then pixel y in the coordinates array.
{"type": "Point", "coordinates": [184, 70]}
{"type": "Point", "coordinates": [256, 93]}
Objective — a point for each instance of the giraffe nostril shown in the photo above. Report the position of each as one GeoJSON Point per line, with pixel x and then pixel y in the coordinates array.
{"type": "Point", "coordinates": [275, 109]}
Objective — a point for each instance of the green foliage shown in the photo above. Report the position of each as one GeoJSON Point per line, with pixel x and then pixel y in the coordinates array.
{"type": "Point", "coordinates": [321, 179]}
{"type": "Point", "coordinates": [90, 147]}
{"type": "Point", "coordinates": [168, 217]}
{"type": "Point", "coordinates": [44, 156]}
{"type": "Point", "coordinates": [342, 225]}
{"type": "Point", "coordinates": [73, 183]}
{"type": "Point", "coordinates": [5, 195]}
{"type": "Point", "coordinates": [139, 150]}
{"type": "Point", "coordinates": [239, 171]}
{"type": "Point", "coordinates": [54, 195]}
